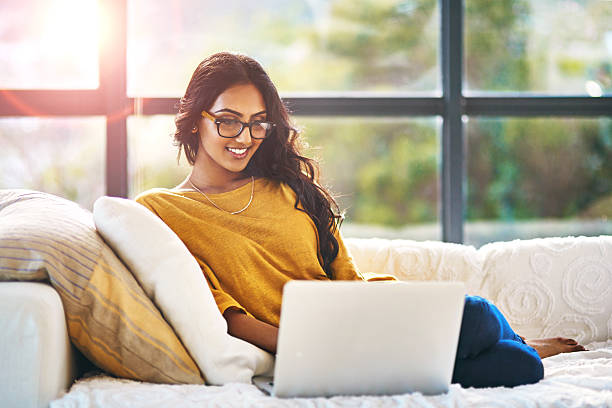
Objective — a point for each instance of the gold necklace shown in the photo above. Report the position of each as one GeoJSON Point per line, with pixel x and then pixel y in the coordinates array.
{"type": "Point", "coordinates": [216, 206]}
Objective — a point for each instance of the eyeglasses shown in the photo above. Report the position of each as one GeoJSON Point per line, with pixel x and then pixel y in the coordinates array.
{"type": "Point", "coordinates": [229, 128]}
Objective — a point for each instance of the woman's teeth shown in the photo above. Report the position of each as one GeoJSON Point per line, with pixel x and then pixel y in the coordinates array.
{"type": "Point", "coordinates": [237, 151]}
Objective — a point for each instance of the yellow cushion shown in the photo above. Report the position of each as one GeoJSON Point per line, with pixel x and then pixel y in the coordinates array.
{"type": "Point", "coordinates": [109, 317]}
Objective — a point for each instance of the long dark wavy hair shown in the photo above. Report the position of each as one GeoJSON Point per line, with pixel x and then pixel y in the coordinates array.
{"type": "Point", "coordinates": [278, 157]}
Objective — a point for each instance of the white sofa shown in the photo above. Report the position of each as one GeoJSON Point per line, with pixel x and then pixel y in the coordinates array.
{"type": "Point", "coordinates": [35, 352]}
{"type": "Point", "coordinates": [546, 287]}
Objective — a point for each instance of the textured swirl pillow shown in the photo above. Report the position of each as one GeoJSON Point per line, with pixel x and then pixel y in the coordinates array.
{"type": "Point", "coordinates": [109, 317]}
{"type": "Point", "coordinates": [409, 260]}
{"type": "Point", "coordinates": [553, 286]}
{"type": "Point", "coordinates": [171, 276]}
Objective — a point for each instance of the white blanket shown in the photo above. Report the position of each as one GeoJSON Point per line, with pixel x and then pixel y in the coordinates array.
{"type": "Point", "coordinates": [571, 380]}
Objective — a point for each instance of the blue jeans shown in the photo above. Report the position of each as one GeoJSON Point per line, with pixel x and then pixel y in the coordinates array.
{"type": "Point", "coordinates": [489, 353]}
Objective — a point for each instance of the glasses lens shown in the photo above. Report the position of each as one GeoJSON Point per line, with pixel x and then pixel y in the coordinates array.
{"type": "Point", "coordinates": [229, 127]}
{"type": "Point", "coordinates": [261, 129]}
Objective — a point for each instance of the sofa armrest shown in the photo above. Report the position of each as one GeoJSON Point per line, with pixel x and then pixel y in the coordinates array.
{"type": "Point", "coordinates": [36, 356]}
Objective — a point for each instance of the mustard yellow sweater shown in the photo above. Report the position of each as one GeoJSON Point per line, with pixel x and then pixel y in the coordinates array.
{"type": "Point", "coordinates": [248, 257]}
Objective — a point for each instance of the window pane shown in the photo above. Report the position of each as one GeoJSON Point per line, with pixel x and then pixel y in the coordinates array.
{"type": "Point", "coordinates": [151, 154]}
{"type": "Point", "coordinates": [49, 44]}
{"type": "Point", "coordinates": [383, 171]}
{"type": "Point", "coordinates": [542, 46]}
{"type": "Point", "coordinates": [529, 178]}
{"type": "Point", "coordinates": [305, 46]}
{"type": "Point", "coordinates": [63, 156]}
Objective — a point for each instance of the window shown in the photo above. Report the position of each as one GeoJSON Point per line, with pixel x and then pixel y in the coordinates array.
{"type": "Point", "coordinates": [49, 45]}
{"type": "Point", "coordinates": [538, 177]}
{"type": "Point", "coordinates": [381, 87]}
{"type": "Point", "coordinates": [372, 165]}
{"type": "Point", "coordinates": [561, 47]}
{"type": "Point", "coordinates": [305, 46]}
{"type": "Point", "coordinates": [152, 157]}
{"type": "Point", "coordinates": [62, 156]}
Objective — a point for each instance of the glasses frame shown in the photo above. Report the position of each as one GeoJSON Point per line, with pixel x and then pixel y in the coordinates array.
{"type": "Point", "coordinates": [249, 125]}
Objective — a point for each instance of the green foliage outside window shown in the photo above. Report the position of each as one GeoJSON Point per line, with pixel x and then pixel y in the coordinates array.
{"type": "Point", "coordinates": [386, 171]}
{"type": "Point", "coordinates": [383, 171]}
{"type": "Point", "coordinates": [539, 168]}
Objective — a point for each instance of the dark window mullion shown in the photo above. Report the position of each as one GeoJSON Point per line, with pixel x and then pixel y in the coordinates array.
{"type": "Point", "coordinates": [452, 131]}
{"type": "Point", "coordinates": [324, 106]}
{"type": "Point", "coordinates": [365, 106]}
{"type": "Point", "coordinates": [538, 106]}
{"type": "Point", "coordinates": [51, 103]}
{"type": "Point", "coordinates": [113, 78]}
{"type": "Point", "coordinates": [407, 106]}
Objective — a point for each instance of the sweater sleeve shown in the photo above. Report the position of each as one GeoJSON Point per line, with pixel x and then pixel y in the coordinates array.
{"type": "Point", "coordinates": [343, 266]}
{"type": "Point", "coordinates": [223, 299]}
{"type": "Point", "coordinates": [345, 269]}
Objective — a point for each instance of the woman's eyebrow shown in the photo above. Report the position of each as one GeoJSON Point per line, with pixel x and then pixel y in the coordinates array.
{"type": "Point", "coordinates": [238, 113]}
{"type": "Point", "coordinates": [230, 111]}
{"type": "Point", "coordinates": [258, 113]}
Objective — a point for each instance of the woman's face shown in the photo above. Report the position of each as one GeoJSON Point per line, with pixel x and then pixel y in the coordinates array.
{"type": "Point", "coordinates": [218, 154]}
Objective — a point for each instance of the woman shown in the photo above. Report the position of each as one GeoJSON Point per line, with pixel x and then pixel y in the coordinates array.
{"type": "Point", "coordinates": [253, 215]}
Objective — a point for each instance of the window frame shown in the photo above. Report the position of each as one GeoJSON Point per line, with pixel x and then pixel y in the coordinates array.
{"type": "Point", "coordinates": [111, 100]}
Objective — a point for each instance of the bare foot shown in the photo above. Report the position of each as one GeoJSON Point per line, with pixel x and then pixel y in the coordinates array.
{"type": "Point", "coordinates": [554, 345]}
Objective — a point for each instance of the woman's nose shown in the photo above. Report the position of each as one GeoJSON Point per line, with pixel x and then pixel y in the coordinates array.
{"type": "Point", "coordinates": [244, 136]}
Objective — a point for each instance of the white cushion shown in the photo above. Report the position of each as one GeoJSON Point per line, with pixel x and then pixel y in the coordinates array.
{"type": "Point", "coordinates": [172, 278]}
{"type": "Point", "coordinates": [422, 261]}
{"type": "Point", "coordinates": [552, 286]}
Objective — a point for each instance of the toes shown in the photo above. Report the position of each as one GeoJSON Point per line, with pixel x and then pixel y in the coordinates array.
{"type": "Point", "coordinates": [572, 349]}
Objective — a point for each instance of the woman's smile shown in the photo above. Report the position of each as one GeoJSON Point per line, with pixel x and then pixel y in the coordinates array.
{"type": "Point", "coordinates": [238, 153]}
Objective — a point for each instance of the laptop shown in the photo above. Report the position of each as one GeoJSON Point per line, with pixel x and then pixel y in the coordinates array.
{"type": "Point", "coordinates": [357, 338]}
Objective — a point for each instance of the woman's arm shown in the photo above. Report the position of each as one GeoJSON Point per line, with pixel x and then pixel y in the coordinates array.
{"type": "Point", "coordinates": [248, 328]}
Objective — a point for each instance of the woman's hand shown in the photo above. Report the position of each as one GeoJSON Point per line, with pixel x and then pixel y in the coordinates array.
{"type": "Point", "coordinates": [247, 328]}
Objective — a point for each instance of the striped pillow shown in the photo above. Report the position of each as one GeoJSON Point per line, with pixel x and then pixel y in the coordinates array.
{"type": "Point", "coordinates": [109, 317]}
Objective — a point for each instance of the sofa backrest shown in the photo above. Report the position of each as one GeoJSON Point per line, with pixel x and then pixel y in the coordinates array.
{"type": "Point", "coordinates": [545, 287]}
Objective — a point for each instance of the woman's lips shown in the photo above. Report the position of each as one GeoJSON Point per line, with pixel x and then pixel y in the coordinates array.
{"type": "Point", "coordinates": [238, 153]}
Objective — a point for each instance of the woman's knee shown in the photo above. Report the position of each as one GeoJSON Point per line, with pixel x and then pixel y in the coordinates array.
{"type": "Point", "coordinates": [508, 363]}
{"type": "Point", "coordinates": [480, 327]}
{"type": "Point", "coordinates": [523, 364]}
{"type": "Point", "coordinates": [529, 365]}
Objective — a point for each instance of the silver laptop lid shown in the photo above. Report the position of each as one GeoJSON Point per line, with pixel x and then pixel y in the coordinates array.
{"type": "Point", "coordinates": [356, 338]}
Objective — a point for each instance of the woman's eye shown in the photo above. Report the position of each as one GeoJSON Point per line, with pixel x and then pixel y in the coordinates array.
{"type": "Point", "coordinates": [230, 122]}
{"type": "Point", "coordinates": [261, 123]}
